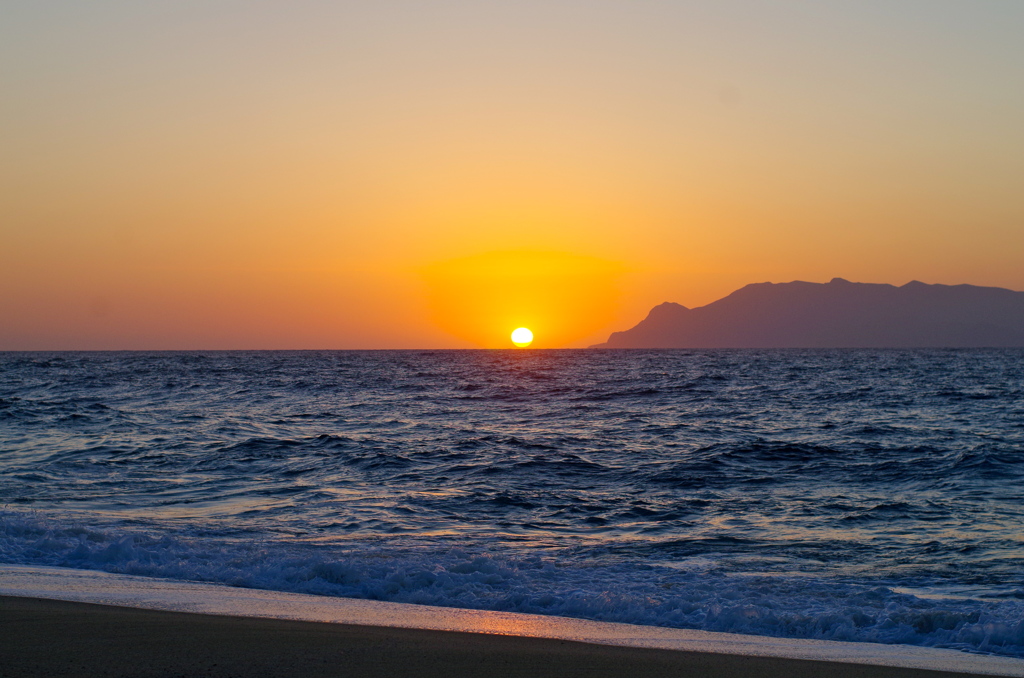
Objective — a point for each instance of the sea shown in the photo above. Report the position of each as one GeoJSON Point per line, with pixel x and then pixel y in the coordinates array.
{"type": "Point", "coordinates": [855, 495]}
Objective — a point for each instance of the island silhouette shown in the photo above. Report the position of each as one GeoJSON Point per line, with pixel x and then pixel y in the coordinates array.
{"type": "Point", "coordinates": [837, 314]}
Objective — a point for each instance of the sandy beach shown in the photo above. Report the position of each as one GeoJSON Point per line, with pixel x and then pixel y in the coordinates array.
{"type": "Point", "coordinates": [45, 638]}
{"type": "Point", "coordinates": [65, 622]}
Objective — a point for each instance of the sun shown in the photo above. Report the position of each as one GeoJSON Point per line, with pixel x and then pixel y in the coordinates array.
{"type": "Point", "coordinates": [522, 337]}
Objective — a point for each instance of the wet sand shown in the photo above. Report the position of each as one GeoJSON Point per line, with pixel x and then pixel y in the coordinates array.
{"type": "Point", "coordinates": [55, 638]}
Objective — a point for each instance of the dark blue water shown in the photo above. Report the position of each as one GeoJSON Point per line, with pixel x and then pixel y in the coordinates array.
{"type": "Point", "coordinates": [850, 495]}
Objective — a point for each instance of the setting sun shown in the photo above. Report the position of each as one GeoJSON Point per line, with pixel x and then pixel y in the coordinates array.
{"type": "Point", "coordinates": [567, 296]}
{"type": "Point", "coordinates": [522, 337]}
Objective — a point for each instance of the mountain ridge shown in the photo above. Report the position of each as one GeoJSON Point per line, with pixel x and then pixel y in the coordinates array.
{"type": "Point", "coordinates": [836, 314]}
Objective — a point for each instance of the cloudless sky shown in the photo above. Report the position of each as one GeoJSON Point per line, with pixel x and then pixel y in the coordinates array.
{"type": "Point", "coordinates": [432, 174]}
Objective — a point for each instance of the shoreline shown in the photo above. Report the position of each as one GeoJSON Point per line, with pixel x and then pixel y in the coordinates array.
{"type": "Point", "coordinates": [44, 638]}
{"type": "Point", "coordinates": [111, 598]}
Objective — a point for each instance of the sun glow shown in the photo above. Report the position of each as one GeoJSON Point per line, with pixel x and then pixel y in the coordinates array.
{"type": "Point", "coordinates": [522, 337]}
{"type": "Point", "coordinates": [565, 296]}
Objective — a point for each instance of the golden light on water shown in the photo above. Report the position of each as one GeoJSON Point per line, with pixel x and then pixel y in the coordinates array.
{"type": "Point", "coordinates": [522, 337]}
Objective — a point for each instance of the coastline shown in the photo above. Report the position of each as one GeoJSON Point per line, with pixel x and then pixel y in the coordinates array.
{"type": "Point", "coordinates": [54, 617]}
{"type": "Point", "coordinates": [49, 638]}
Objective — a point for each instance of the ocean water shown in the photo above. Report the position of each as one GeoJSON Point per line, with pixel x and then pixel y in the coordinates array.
{"type": "Point", "coordinates": [845, 495]}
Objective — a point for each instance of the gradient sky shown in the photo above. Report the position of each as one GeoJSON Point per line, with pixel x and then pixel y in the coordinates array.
{"type": "Point", "coordinates": [392, 174]}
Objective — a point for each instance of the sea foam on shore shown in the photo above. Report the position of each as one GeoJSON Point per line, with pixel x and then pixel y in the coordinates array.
{"type": "Point", "coordinates": [157, 594]}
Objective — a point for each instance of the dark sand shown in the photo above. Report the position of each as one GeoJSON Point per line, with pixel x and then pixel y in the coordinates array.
{"type": "Point", "coordinates": [48, 638]}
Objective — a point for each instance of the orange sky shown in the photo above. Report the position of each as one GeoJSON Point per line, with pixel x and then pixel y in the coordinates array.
{"type": "Point", "coordinates": [433, 174]}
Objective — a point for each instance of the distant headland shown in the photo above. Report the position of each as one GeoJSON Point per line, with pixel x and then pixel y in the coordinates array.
{"type": "Point", "coordinates": [837, 314]}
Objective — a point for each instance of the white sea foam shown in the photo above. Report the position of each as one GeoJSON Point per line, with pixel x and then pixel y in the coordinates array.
{"type": "Point", "coordinates": [180, 596]}
{"type": "Point", "coordinates": [481, 576]}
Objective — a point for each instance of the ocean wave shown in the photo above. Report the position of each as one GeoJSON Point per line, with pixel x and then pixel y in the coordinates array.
{"type": "Point", "coordinates": [565, 584]}
{"type": "Point", "coordinates": [798, 493]}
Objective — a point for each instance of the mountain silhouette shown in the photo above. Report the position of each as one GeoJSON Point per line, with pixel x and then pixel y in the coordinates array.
{"type": "Point", "coordinates": [837, 314]}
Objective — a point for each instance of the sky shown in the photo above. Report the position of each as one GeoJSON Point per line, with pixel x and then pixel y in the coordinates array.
{"type": "Point", "coordinates": [426, 174]}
